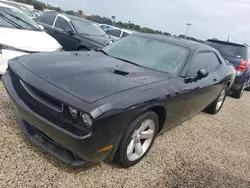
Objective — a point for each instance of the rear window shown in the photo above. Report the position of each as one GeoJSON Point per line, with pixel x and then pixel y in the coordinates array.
{"type": "Point", "coordinates": [231, 50]}
{"type": "Point", "coordinates": [48, 19]}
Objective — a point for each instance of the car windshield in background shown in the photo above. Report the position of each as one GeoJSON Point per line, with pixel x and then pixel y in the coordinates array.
{"type": "Point", "coordinates": [14, 18]}
{"type": "Point", "coordinates": [149, 53]}
{"type": "Point", "coordinates": [227, 49]}
{"type": "Point", "coordinates": [23, 8]}
{"type": "Point", "coordinates": [85, 27]}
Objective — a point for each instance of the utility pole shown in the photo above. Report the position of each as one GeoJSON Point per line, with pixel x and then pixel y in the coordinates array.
{"type": "Point", "coordinates": [228, 38]}
{"type": "Point", "coordinates": [188, 25]}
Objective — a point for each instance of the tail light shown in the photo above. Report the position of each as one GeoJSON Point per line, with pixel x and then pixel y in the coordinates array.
{"type": "Point", "coordinates": [243, 66]}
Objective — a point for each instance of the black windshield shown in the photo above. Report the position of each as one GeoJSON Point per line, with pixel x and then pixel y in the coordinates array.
{"type": "Point", "coordinates": [230, 49]}
{"type": "Point", "coordinates": [149, 53]}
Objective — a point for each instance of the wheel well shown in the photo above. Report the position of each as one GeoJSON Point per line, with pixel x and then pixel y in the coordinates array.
{"type": "Point", "coordinates": [161, 113]}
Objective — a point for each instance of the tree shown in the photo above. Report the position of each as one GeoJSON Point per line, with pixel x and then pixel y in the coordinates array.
{"type": "Point", "coordinates": [38, 6]}
{"type": "Point", "coordinates": [80, 13]}
{"type": "Point", "coordinates": [71, 12]}
{"type": "Point", "coordinates": [113, 18]}
{"type": "Point", "coordinates": [129, 22]}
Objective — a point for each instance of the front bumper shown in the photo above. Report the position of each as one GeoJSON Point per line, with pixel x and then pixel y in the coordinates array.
{"type": "Point", "coordinates": [5, 56]}
{"type": "Point", "coordinates": [72, 149]}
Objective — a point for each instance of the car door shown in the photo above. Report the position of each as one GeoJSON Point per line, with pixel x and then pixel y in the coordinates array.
{"type": "Point", "coordinates": [194, 96]}
{"type": "Point", "coordinates": [65, 34]}
{"type": "Point", "coordinates": [208, 88]}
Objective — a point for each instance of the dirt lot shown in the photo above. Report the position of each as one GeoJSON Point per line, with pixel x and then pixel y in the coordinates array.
{"type": "Point", "coordinates": [205, 151]}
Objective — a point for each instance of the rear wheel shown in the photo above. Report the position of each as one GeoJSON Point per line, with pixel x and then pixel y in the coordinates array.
{"type": "Point", "coordinates": [215, 107]}
{"type": "Point", "coordinates": [238, 93]}
{"type": "Point", "coordinates": [137, 139]}
{"type": "Point", "coordinates": [248, 85]}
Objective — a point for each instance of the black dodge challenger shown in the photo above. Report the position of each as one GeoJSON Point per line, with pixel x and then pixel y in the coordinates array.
{"type": "Point", "coordinates": [110, 104]}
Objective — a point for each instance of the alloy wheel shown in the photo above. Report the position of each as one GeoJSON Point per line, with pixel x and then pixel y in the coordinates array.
{"type": "Point", "coordinates": [141, 140]}
{"type": "Point", "coordinates": [243, 88]}
{"type": "Point", "coordinates": [220, 99]}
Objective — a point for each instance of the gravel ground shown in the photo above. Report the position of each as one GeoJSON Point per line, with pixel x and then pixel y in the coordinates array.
{"type": "Point", "coordinates": [205, 151]}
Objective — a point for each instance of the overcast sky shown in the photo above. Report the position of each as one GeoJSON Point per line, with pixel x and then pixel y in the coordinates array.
{"type": "Point", "coordinates": [209, 18]}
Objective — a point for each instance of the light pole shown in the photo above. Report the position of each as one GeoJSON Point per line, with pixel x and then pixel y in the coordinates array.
{"type": "Point", "coordinates": [188, 25]}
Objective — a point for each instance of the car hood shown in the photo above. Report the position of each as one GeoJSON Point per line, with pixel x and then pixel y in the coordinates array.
{"type": "Point", "coordinates": [32, 41]}
{"type": "Point", "coordinates": [104, 39]}
{"type": "Point", "coordinates": [99, 40]}
{"type": "Point", "coordinates": [90, 76]}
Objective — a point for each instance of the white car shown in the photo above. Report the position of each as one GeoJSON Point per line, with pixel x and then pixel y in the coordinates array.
{"type": "Point", "coordinates": [115, 32]}
{"type": "Point", "coordinates": [19, 6]}
{"type": "Point", "coordinates": [20, 35]}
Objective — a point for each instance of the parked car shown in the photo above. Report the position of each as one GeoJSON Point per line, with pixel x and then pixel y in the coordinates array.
{"type": "Point", "coordinates": [115, 32]}
{"type": "Point", "coordinates": [106, 27]}
{"type": "Point", "coordinates": [20, 35]}
{"type": "Point", "coordinates": [84, 107]}
{"type": "Point", "coordinates": [19, 6]}
{"type": "Point", "coordinates": [37, 13]}
{"type": "Point", "coordinates": [238, 55]}
{"type": "Point", "coordinates": [74, 33]}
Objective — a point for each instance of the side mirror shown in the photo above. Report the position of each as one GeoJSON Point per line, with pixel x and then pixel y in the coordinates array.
{"type": "Point", "coordinates": [202, 73]}
{"type": "Point", "coordinates": [41, 27]}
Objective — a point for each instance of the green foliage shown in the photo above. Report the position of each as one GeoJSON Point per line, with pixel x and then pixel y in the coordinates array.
{"type": "Point", "coordinates": [39, 6]}
{"type": "Point", "coordinates": [103, 20]}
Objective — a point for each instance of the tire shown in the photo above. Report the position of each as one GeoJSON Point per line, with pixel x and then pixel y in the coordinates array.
{"type": "Point", "coordinates": [238, 93]}
{"type": "Point", "coordinates": [248, 85]}
{"type": "Point", "coordinates": [125, 159]}
{"type": "Point", "coordinates": [215, 106]}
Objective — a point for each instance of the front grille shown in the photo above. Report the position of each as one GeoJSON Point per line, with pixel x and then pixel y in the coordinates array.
{"type": "Point", "coordinates": [44, 99]}
{"type": "Point", "coordinates": [46, 106]}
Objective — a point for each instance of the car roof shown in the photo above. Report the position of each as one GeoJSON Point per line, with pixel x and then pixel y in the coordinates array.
{"type": "Point", "coordinates": [74, 17]}
{"type": "Point", "coordinates": [7, 6]}
{"type": "Point", "coordinates": [67, 16]}
{"type": "Point", "coordinates": [227, 42]}
{"type": "Point", "coordinates": [117, 28]}
{"type": "Point", "coordinates": [192, 45]}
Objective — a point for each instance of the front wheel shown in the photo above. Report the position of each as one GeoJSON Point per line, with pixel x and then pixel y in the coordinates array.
{"type": "Point", "coordinates": [137, 139]}
{"type": "Point", "coordinates": [215, 107]}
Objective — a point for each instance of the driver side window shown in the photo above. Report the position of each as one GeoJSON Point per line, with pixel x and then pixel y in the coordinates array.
{"type": "Point", "coordinates": [207, 60]}
{"type": "Point", "coordinates": [63, 24]}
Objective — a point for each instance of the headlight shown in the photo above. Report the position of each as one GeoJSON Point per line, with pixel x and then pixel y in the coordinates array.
{"type": "Point", "coordinates": [73, 112]}
{"type": "Point", "coordinates": [86, 119]}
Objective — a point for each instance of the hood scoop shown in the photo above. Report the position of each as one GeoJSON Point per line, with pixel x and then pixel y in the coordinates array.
{"type": "Point", "coordinates": [120, 72]}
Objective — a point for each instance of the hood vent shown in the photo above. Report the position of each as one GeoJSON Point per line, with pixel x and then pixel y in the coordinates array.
{"type": "Point", "coordinates": [120, 72]}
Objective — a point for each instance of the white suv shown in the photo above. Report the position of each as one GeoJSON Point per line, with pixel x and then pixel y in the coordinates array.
{"type": "Point", "coordinates": [20, 35]}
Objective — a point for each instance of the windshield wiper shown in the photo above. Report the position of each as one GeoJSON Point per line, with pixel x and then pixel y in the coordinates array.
{"type": "Point", "coordinates": [36, 29]}
{"type": "Point", "coordinates": [84, 34]}
{"type": "Point", "coordinates": [131, 62]}
{"type": "Point", "coordinates": [11, 22]}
